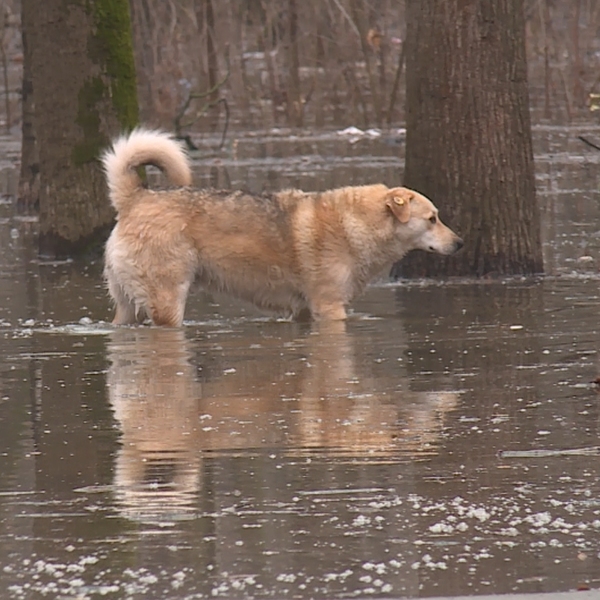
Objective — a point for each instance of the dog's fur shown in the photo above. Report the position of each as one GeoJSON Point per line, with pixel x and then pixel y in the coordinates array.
{"type": "Point", "coordinates": [289, 252]}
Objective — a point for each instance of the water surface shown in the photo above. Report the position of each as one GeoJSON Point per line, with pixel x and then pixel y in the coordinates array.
{"type": "Point", "coordinates": [444, 441]}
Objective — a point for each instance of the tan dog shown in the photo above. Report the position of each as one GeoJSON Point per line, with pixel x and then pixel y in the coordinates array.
{"type": "Point", "coordinates": [289, 252]}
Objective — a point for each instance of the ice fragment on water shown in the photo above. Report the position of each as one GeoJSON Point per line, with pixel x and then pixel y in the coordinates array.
{"type": "Point", "coordinates": [441, 527]}
{"type": "Point", "coordinates": [479, 513]}
{"type": "Point", "coordinates": [361, 521]}
{"type": "Point", "coordinates": [539, 519]}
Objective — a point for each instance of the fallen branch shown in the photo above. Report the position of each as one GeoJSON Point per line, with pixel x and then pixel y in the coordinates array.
{"type": "Point", "coordinates": [588, 142]}
{"type": "Point", "coordinates": [543, 453]}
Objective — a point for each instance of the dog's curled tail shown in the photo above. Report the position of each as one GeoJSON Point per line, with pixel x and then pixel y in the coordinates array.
{"type": "Point", "coordinates": [142, 147]}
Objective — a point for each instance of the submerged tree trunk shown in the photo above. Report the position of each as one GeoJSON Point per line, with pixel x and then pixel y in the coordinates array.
{"type": "Point", "coordinates": [83, 92]}
{"type": "Point", "coordinates": [468, 143]}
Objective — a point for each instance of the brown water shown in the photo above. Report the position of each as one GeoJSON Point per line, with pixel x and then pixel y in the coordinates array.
{"type": "Point", "coordinates": [444, 441]}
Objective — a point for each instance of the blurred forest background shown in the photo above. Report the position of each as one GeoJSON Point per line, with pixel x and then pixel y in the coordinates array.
{"type": "Point", "coordinates": [309, 63]}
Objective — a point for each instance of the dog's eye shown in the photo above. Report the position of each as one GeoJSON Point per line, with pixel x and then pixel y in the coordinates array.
{"type": "Point", "coordinates": [433, 219]}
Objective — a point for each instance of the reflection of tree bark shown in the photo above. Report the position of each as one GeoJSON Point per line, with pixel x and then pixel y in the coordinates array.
{"type": "Point", "coordinates": [493, 362]}
{"type": "Point", "coordinates": [344, 411]}
{"type": "Point", "coordinates": [322, 402]}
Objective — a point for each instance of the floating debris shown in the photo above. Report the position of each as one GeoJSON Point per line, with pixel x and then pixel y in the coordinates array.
{"type": "Point", "coordinates": [543, 453]}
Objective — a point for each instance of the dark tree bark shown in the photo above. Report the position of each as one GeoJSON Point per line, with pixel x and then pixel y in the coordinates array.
{"type": "Point", "coordinates": [468, 143]}
{"type": "Point", "coordinates": [29, 178]}
{"type": "Point", "coordinates": [82, 83]}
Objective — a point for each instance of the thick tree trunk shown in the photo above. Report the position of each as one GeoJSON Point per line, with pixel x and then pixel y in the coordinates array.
{"type": "Point", "coordinates": [83, 89]}
{"type": "Point", "coordinates": [468, 143]}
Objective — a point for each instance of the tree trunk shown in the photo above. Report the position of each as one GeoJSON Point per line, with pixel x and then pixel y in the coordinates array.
{"type": "Point", "coordinates": [294, 99]}
{"type": "Point", "coordinates": [468, 144]}
{"type": "Point", "coordinates": [29, 177]}
{"type": "Point", "coordinates": [361, 21]}
{"type": "Point", "coordinates": [83, 93]}
{"type": "Point", "coordinates": [144, 32]}
{"type": "Point", "coordinates": [206, 24]}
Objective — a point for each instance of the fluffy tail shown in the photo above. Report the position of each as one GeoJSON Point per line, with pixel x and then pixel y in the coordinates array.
{"type": "Point", "coordinates": [142, 147]}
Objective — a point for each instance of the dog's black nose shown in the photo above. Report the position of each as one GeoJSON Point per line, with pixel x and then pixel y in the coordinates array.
{"type": "Point", "coordinates": [459, 244]}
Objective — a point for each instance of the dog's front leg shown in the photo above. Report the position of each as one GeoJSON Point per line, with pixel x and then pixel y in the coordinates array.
{"type": "Point", "coordinates": [330, 292]}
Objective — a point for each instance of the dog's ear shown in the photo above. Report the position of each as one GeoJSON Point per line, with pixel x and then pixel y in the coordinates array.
{"type": "Point", "coordinates": [398, 201]}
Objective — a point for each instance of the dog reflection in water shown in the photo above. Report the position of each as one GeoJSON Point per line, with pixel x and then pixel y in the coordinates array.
{"type": "Point", "coordinates": [154, 395]}
{"type": "Point", "coordinates": [349, 413]}
{"type": "Point", "coordinates": [314, 401]}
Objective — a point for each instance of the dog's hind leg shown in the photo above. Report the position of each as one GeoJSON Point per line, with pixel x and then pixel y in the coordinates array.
{"type": "Point", "coordinates": [167, 305]}
{"type": "Point", "coordinates": [125, 313]}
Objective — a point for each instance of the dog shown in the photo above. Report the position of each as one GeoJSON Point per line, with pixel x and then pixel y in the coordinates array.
{"type": "Point", "coordinates": [291, 252]}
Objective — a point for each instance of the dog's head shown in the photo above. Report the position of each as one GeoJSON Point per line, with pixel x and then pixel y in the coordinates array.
{"type": "Point", "coordinates": [419, 223]}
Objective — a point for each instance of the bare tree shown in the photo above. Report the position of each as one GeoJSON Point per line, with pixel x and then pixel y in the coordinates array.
{"type": "Point", "coordinates": [4, 17]}
{"type": "Point", "coordinates": [319, 62]}
{"type": "Point", "coordinates": [206, 25]}
{"type": "Point", "coordinates": [468, 143]}
{"type": "Point", "coordinates": [294, 95]}
{"type": "Point", "coordinates": [81, 81]}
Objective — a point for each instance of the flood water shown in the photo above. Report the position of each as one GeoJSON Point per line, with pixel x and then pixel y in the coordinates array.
{"type": "Point", "coordinates": [444, 441]}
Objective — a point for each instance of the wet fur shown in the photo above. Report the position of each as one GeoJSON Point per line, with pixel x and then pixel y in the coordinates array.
{"type": "Point", "coordinates": [290, 252]}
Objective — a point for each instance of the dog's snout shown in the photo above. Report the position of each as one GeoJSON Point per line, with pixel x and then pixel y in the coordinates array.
{"type": "Point", "coordinates": [458, 244]}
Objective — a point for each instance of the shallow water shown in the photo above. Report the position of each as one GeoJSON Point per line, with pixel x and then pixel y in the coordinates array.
{"type": "Point", "coordinates": [444, 441]}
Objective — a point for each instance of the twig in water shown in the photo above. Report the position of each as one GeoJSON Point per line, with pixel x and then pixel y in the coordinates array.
{"type": "Point", "coordinates": [588, 142]}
